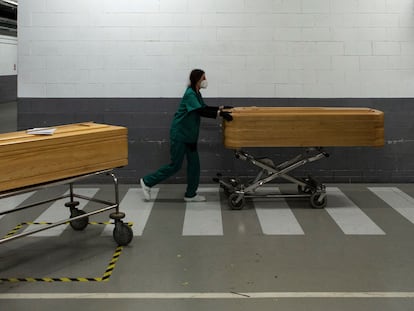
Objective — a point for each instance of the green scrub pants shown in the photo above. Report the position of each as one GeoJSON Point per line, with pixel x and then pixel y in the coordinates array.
{"type": "Point", "coordinates": [178, 150]}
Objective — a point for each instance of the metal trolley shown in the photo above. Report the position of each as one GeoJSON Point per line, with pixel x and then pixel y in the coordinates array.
{"type": "Point", "coordinates": [79, 219]}
{"type": "Point", "coordinates": [308, 187]}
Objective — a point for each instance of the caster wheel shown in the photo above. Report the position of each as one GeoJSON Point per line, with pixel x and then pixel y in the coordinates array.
{"type": "Point", "coordinates": [122, 234]}
{"type": "Point", "coordinates": [81, 223]}
{"type": "Point", "coordinates": [234, 204]}
{"type": "Point", "coordinates": [315, 203]}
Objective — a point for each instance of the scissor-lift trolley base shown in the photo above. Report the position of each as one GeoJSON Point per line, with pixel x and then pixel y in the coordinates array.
{"type": "Point", "coordinates": [308, 187]}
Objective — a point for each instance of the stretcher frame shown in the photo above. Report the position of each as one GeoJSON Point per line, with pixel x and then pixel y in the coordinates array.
{"type": "Point", "coordinates": [237, 192]}
{"type": "Point", "coordinates": [78, 219]}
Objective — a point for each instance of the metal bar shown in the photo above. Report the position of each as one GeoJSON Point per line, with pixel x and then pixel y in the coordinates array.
{"type": "Point", "coordinates": [34, 204]}
{"type": "Point", "coordinates": [271, 195]}
{"type": "Point", "coordinates": [275, 175]}
{"type": "Point", "coordinates": [49, 184]}
{"type": "Point", "coordinates": [116, 189]}
{"type": "Point", "coordinates": [293, 180]}
{"type": "Point", "coordinates": [71, 191]}
{"type": "Point", "coordinates": [279, 173]}
{"type": "Point", "coordinates": [71, 195]}
{"type": "Point", "coordinates": [281, 170]}
{"type": "Point", "coordinates": [80, 196]}
{"type": "Point", "coordinates": [56, 224]}
{"type": "Point", "coordinates": [289, 162]}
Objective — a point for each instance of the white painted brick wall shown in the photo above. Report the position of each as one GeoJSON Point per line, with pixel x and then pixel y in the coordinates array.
{"type": "Point", "coordinates": [249, 48]}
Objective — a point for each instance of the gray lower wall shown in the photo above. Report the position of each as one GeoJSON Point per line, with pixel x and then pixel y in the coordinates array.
{"type": "Point", "coordinates": [8, 88]}
{"type": "Point", "coordinates": [148, 121]}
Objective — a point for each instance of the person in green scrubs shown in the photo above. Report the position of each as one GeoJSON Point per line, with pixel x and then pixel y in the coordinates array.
{"type": "Point", "coordinates": [184, 134]}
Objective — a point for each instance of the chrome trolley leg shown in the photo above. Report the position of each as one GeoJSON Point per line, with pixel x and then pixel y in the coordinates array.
{"type": "Point", "coordinates": [122, 232]}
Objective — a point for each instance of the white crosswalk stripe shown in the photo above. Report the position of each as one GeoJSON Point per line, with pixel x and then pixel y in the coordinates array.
{"type": "Point", "coordinates": [136, 210]}
{"type": "Point", "coordinates": [349, 217]}
{"type": "Point", "coordinates": [275, 216]}
{"type": "Point", "coordinates": [204, 218]}
{"type": "Point", "coordinates": [13, 202]}
{"type": "Point", "coordinates": [397, 199]}
{"type": "Point", "coordinates": [58, 211]}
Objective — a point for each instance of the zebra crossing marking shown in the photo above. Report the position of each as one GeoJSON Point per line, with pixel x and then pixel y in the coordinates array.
{"type": "Point", "coordinates": [397, 199]}
{"type": "Point", "coordinates": [348, 216]}
{"type": "Point", "coordinates": [136, 209]}
{"type": "Point", "coordinates": [57, 211]}
{"type": "Point", "coordinates": [276, 218]}
{"type": "Point", "coordinates": [204, 218]}
{"type": "Point", "coordinates": [13, 202]}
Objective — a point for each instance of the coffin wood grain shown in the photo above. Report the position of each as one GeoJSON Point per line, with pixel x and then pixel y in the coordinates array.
{"type": "Point", "coordinates": [73, 150]}
{"type": "Point", "coordinates": [303, 127]}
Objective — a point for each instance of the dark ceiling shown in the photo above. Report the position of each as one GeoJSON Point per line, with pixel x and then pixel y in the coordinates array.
{"type": "Point", "coordinates": [8, 18]}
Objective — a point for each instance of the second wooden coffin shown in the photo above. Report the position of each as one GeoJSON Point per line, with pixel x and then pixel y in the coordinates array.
{"type": "Point", "coordinates": [303, 127]}
{"type": "Point", "coordinates": [73, 150]}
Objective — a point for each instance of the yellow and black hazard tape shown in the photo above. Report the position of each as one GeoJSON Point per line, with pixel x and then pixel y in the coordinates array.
{"type": "Point", "coordinates": [28, 223]}
{"type": "Point", "coordinates": [14, 280]}
{"type": "Point", "coordinates": [107, 274]}
{"type": "Point", "coordinates": [112, 263]}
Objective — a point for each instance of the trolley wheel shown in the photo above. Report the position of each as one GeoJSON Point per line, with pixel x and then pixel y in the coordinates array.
{"type": "Point", "coordinates": [314, 200]}
{"type": "Point", "coordinates": [81, 223]}
{"type": "Point", "coordinates": [122, 233]}
{"type": "Point", "coordinates": [234, 205]}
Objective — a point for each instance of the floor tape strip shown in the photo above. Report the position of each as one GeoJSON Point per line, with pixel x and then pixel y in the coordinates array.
{"type": "Point", "coordinates": [107, 274]}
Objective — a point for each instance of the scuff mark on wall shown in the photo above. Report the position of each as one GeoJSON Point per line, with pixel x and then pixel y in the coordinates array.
{"type": "Point", "coordinates": [399, 141]}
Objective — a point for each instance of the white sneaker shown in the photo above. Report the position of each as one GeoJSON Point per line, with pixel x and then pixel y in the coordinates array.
{"type": "Point", "coordinates": [146, 190]}
{"type": "Point", "coordinates": [196, 198]}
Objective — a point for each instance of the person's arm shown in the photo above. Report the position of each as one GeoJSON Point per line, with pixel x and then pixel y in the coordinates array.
{"type": "Point", "coordinates": [208, 112]}
{"type": "Point", "coordinates": [214, 112]}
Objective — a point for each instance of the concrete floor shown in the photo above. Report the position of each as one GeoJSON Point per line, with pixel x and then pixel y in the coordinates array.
{"type": "Point", "coordinates": [173, 265]}
{"type": "Point", "coordinates": [276, 254]}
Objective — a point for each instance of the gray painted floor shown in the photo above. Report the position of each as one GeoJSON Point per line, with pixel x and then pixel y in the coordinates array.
{"type": "Point", "coordinates": [335, 255]}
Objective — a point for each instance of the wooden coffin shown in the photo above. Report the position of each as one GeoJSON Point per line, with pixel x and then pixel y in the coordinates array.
{"type": "Point", "coordinates": [303, 127]}
{"type": "Point", "coordinates": [72, 150]}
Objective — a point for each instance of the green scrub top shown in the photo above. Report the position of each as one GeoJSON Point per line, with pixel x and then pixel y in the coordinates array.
{"type": "Point", "coordinates": [185, 126]}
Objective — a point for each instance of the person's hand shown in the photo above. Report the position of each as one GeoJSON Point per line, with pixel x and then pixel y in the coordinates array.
{"type": "Point", "coordinates": [226, 115]}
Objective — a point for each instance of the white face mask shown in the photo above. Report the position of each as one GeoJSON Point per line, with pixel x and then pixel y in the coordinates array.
{"type": "Point", "coordinates": [204, 84]}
